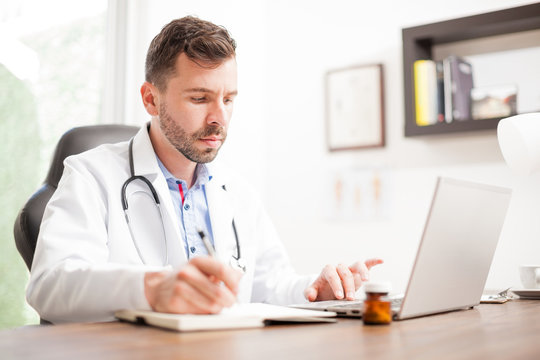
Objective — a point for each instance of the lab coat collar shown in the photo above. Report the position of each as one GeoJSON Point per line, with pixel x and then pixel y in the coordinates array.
{"type": "Point", "coordinates": [144, 157]}
{"type": "Point", "coordinates": [145, 164]}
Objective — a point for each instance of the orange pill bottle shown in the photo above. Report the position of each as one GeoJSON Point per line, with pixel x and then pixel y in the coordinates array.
{"type": "Point", "coordinates": [377, 306]}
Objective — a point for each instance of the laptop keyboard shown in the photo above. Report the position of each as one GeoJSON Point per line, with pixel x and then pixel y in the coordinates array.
{"type": "Point", "coordinates": [395, 303]}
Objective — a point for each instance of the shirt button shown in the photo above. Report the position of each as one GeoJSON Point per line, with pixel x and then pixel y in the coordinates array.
{"type": "Point", "coordinates": [192, 249]}
{"type": "Point", "coordinates": [186, 207]}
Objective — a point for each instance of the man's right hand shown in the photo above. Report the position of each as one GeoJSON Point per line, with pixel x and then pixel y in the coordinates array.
{"type": "Point", "coordinates": [203, 286]}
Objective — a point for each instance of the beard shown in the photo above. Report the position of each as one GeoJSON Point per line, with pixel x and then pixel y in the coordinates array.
{"type": "Point", "coordinates": [184, 142]}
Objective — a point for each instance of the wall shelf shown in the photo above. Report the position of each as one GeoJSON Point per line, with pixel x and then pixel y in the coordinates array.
{"type": "Point", "coordinates": [419, 42]}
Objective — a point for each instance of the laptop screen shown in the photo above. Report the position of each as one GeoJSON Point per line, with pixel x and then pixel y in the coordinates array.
{"type": "Point", "coordinates": [457, 247]}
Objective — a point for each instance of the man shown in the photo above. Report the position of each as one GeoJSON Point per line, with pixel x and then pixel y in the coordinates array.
{"type": "Point", "coordinates": [93, 259]}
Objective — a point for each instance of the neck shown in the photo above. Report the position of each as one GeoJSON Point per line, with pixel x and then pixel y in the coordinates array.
{"type": "Point", "coordinates": [177, 164]}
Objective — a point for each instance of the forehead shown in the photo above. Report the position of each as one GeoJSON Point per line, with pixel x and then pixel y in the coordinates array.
{"type": "Point", "coordinates": [189, 74]}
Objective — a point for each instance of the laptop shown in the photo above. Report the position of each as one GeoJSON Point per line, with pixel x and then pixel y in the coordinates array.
{"type": "Point", "coordinates": [454, 256]}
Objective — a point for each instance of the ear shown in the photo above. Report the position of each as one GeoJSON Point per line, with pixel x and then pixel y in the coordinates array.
{"type": "Point", "coordinates": [150, 98]}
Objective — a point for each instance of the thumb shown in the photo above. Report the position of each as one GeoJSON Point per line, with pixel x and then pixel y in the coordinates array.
{"type": "Point", "coordinates": [311, 293]}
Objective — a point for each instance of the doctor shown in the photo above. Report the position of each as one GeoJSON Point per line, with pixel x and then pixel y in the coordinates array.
{"type": "Point", "coordinates": [108, 243]}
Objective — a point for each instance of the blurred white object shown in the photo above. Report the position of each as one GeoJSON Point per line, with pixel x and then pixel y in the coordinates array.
{"type": "Point", "coordinates": [519, 140]}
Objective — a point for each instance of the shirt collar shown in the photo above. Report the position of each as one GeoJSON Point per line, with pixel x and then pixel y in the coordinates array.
{"type": "Point", "coordinates": [202, 174]}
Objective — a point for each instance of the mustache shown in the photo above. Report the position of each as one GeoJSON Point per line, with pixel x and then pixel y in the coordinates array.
{"type": "Point", "coordinates": [211, 130]}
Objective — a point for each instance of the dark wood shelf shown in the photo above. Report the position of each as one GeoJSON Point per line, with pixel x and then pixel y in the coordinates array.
{"type": "Point", "coordinates": [418, 43]}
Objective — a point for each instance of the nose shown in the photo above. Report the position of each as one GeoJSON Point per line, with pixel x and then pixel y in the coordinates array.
{"type": "Point", "coordinates": [218, 114]}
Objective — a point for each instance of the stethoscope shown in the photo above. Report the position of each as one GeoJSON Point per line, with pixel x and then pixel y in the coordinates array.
{"type": "Point", "coordinates": [236, 261]}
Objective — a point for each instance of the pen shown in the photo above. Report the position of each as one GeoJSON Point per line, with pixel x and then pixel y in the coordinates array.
{"type": "Point", "coordinates": [207, 243]}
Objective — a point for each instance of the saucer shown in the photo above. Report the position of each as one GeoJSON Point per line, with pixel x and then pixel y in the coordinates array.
{"type": "Point", "coordinates": [527, 293]}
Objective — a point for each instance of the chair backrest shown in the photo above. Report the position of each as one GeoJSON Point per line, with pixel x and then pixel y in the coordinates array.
{"type": "Point", "coordinates": [73, 142]}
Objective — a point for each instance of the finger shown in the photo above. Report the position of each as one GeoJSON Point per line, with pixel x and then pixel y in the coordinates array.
{"type": "Point", "coordinates": [331, 276]}
{"type": "Point", "coordinates": [363, 268]}
{"type": "Point", "coordinates": [372, 262]}
{"type": "Point", "coordinates": [360, 274]}
{"type": "Point", "coordinates": [187, 299]}
{"type": "Point", "coordinates": [347, 281]}
{"type": "Point", "coordinates": [369, 263]}
{"type": "Point", "coordinates": [311, 293]}
{"type": "Point", "coordinates": [360, 270]}
{"type": "Point", "coordinates": [212, 267]}
{"type": "Point", "coordinates": [363, 272]}
{"type": "Point", "coordinates": [174, 296]}
{"type": "Point", "coordinates": [213, 291]}
{"type": "Point", "coordinates": [357, 280]}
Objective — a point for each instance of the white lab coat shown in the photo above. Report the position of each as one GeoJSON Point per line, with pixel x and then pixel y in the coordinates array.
{"type": "Point", "coordinates": [86, 265]}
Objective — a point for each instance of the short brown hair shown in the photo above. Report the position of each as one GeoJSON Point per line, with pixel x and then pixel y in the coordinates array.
{"type": "Point", "coordinates": [202, 41]}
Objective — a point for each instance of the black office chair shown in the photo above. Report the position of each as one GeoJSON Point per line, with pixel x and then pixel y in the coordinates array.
{"type": "Point", "coordinates": [73, 142]}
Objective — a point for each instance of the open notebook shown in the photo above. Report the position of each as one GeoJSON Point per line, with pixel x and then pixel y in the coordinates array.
{"type": "Point", "coordinates": [239, 316]}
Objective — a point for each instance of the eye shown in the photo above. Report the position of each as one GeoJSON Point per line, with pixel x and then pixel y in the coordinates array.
{"type": "Point", "coordinates": [228, 100]}
{"type": "Point", "coordinates": [198, 99]}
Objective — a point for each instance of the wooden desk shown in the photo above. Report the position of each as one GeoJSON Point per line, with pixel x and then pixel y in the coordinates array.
{"type": "Point", "coordinates": [508, 331]}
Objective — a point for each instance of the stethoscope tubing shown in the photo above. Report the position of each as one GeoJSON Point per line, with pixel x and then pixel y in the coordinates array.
{"type": "Point", "coordinates": [125, 207]}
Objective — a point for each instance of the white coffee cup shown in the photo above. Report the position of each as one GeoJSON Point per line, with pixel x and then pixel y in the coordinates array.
{"type": "Point", "coordinates": [530, 276]}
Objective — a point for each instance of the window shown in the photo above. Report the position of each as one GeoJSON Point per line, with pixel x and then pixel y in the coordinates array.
{"type": "Point", "coordinates": [52, 76]}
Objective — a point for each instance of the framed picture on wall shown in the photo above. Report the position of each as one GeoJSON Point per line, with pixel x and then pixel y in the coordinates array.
{"type": "Point", "coordinates": [355, 107]}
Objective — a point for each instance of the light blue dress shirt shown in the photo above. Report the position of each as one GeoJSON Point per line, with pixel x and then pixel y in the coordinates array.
{"type": "Point", "coordinates": [193, 214]}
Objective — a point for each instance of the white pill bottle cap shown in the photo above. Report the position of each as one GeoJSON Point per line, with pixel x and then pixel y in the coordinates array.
{"type": "Point", "coordinates": [378, 287]}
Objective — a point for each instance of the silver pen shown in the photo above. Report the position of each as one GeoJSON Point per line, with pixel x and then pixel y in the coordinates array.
{"type": "Point", "coordinates": [207, 243]}
{"type": "Point", "coordinates": [210, 249]}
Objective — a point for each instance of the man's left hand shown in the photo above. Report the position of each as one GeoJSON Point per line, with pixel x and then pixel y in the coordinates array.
{"type": "Point", "coordinates": [341, 281]}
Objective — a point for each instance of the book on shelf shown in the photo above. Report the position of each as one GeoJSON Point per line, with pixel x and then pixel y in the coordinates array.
{"type": "Point", "coordinates": [458, 83]}
{"type": "Point", "coordinates": [425, 92]}
{"type": "Point", "coordinates": [239, 316]}
{"type": "Point", "coordinates": [440, 91]}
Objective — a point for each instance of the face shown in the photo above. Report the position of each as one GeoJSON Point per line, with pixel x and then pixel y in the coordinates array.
{"type": "Point", "coordinates": [195, 109]}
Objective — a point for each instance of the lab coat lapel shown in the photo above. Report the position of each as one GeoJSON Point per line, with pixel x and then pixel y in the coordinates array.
{"type": "Point", "coordinates": [220, 207]}
{"type": "Point", "coordinates": [145, 163]}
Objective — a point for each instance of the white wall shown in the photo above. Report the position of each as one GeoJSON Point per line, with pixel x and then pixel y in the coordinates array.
{"type": "Point", "coordinates": [306, 39]}
{"type": "Point", "coordinates": [277, 136]}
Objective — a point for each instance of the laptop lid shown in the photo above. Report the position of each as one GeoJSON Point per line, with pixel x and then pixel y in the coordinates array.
{"type": "Point", "coordinates": [457, 247]}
